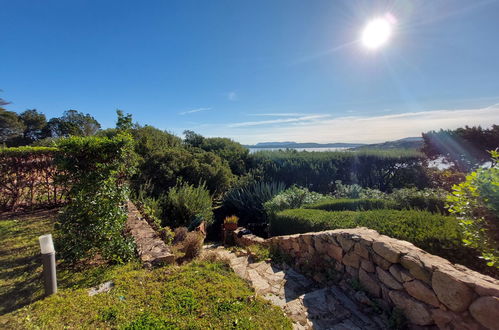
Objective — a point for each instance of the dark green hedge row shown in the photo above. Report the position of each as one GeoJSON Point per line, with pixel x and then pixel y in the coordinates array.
{"type": "Point", "coordinates": [352, 205]}
{"type": "Point", "coordinates": [431, 204]}
{"type": "Point", "coordinates": [435, 233]}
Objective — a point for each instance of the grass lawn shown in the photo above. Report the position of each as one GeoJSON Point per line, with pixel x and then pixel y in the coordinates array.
{"type": "Point", "coordinates": [197, 295]}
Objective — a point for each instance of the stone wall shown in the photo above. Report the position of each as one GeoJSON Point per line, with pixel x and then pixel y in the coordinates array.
{"type": "Point", "coordinates": [151, 248]}
{"type": "Point", "coordinates": [429, 289]}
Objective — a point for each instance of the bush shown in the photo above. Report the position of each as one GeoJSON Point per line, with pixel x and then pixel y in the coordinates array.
{"type": "Point", "coordinates": [476, 203]}
{"type": "Point", "coordinates": [435, 233]}
{"type": "Point", "coordinates": [185, 203]}
{"type": "Point", "coordinates": [192, 245]}
{"type": "Point", "coordinates": [247, 201]}
{"type": "Point", "coordinates": [180, 234]}
{"type": "Point", "coordinates": [94, 219]}
{"type": "Point", "coordinates": [292, 198]}
{"type": "Point", "coordinates": [352, 205]}
{"type": "Point", "coordinates": [432, 200]}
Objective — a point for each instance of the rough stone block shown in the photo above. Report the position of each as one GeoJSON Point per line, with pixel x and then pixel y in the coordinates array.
{"type": "Point", "coordinates": [422, 292]}
{"type": "Point", "coordinates": [345, 243]}
{"type": "Point", "coordinates": [369, 282]}
{"type": "Point", "coordinates": [386, 250]}
{"type": "Point", "coordinates": [367, 265]}
{"type": "Point", "coordinates": [415, 267]}
{"type": "Point", "coordinates": [380, 261]}
{"type": "Point", "coordinates": [415, 311]}
{"type": "Point", "coordinates": [486, 311]}
{"type": "Point", "coordinates": [361, 250]}
{"type": "Point", "coordinates": [451, 292]}
{"type": "Point", "coordinates": [387, 279]}
{"type": "Point", "coordinates": [351, 259]}
{"type": "Point", "coordinates": [335, 252]}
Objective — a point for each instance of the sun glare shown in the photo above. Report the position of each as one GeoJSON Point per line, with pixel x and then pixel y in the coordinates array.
{"type": "Point", "coordinates": [376, 33]}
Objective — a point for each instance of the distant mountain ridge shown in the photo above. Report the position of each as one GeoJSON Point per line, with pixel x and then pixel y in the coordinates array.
{"type": "Point", "coordinates": [405, 143]}
{"type": "Point", "coordinates": [303, 145]}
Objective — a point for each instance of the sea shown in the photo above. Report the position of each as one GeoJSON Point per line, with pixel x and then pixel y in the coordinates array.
{"type": "Point", "coordinates": [253, 150]}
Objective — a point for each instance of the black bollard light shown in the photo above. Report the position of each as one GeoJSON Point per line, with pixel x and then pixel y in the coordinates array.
{"type": "Point", "coordinates": [48, 261]}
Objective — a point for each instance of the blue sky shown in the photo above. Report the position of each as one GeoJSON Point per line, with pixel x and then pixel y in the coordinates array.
{"type": "Point", "coordinates": [270, 70]}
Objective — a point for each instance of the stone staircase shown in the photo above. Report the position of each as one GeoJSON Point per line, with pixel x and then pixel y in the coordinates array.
{"type": "Point", "coordinates": [306, 304]}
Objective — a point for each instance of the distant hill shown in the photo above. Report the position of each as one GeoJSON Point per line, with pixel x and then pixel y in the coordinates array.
{"type": "Point", "coordinates": [406, 143]}
{"type": "Point", "coordinates": [284, 145]}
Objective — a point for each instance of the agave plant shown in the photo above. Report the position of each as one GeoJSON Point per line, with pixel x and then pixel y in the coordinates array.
{"type": "Point", "coordinates": [247, 201]}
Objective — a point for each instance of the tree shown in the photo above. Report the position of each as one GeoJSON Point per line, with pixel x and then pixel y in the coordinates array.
{"type": "Point", "coordinates": [193, 139]}
{"type": "Point", "coordinates": [465, 148]}
{"type": "Point", "coordinates": [34, 122]}
{"type": "Point", "coordinates": [72, 123]}
{"type": "Point", "coordinates": [233, 152]}
{"type": "Point", "coordinates": [10, 124]}
{"type": "Point", "coordinates": [124, 122]}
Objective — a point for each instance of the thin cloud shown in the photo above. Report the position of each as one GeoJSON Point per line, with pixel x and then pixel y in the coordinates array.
{"type": "Point", "coordinates": [193, 111]}
{"type": "Point", "coordinates": [277, 114]}
{"type": "Point", "coordinates": [277, 121]}
{"type": "Point", "coordinates": [232, 96]}
{"type": "Point", "coordinates": [361, 129]}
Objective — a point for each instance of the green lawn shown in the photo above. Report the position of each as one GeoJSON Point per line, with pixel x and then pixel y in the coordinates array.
{"type": "Point", "coordinates": [196, 296]}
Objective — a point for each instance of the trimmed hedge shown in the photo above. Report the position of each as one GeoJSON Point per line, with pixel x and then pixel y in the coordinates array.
{"type": "Point", "coordinates": [352, 205]}
{"type": "Point", "coordinates": [435, 233]}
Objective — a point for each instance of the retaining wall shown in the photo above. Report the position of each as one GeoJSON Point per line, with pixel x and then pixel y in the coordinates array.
{"type": "Point", "coordinates": [429, 289]}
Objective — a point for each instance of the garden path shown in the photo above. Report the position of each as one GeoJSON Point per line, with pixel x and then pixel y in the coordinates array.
{"type": "Point", "coordinates": [306, 304]}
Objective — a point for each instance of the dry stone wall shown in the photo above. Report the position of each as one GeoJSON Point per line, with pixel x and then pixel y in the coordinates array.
{"type": "Point", "coordinates": [151, 248]}
{"type": "Point", "coordinates": [429, 289]}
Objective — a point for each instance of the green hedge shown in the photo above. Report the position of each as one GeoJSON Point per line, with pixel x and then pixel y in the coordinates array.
{"type": "Point", "coordinates": [432, 232]}
{"type": "Point", "coordinates": [352, 205]}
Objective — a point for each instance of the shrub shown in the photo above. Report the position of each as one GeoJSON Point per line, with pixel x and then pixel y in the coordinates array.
{"type": "Point", "coordinates": [476, 203]}
{"type": "Point", "coordinates": [185, 202]}
{"type": "Point", "coordinates": [347, 191]}
{"type": "Point", "coordinates": [433, 232]}
{"type": "Point", "coordinates": [352, 205]}
{"type": "Point", "coordinates": [192, 245]}
{"type": "Point", "coordinates": [94, 219]}
{"type": "Point", "coordinates": [292, 198]}
{"type": "Point", "coordinates": [432, 200]}
{"type": "Point", "coordinates": [167, 235]}
{"type": "Point", "coordinates": [247, 201]}
{"type": "Point", "coordinates": [180, 234]}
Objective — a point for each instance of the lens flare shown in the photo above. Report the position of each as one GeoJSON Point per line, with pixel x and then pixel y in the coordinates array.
{"type": "Point", "coordinates": [377, 32]}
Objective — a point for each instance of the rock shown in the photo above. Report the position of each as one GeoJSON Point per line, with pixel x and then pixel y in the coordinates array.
{"type": "Point", "coordinates": [442, 318]}
{"type": "Point", "coordinates": [386, 250]}
{"type": "Point", "coordinates": [486, 311]}
{"type": "Point", "coordinates": [380, 261]}
{"type": "Point", "coordinates": [104, 287]}
{"type": "Point", "coordinates": [351, 259]}
{"type": "Point", "coordinates": [352, 271]}
{"type": "Point", "coordinates": [452, 293]}
{"type": "Point", "coordinates": [361, 250]}
{"type": "Point", "coordinates": [415, 267]}
{"type": "Point", "coordinates": [388, 279]}
{"type": "Point", "coordinates": [361, 297]}
{"type": "Point", "coordinates": [367, 265]}
{"type": "Point", "coordinates": [335, 252]}
{"type": "Point", "coordinates": [415, 311]}
{"type": "Point", "coordinates": [422, 292]}
{"type": "Point", "coordinates": [345, 243]}
{"type": "Point", "coordinates": [369, 283]}
{"type": "Point", "coordinates": [398, 271]}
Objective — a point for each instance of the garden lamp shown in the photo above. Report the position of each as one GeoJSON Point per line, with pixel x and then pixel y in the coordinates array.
{"type": "Point", "coordinates": [48, 261]}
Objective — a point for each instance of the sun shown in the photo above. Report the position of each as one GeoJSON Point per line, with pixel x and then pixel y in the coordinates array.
{"type": "Point", "coordinates": [376, 33]}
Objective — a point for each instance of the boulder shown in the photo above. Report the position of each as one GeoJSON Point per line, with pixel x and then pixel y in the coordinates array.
{"type": "Point", "coordinates": [486, 311]}
{"type": "Point", "coordinates": [386, 250]}
{"type": "Point", "coordinates": [451, 292]}
{"type": "Point", "coordinates": [369, 283]}
{"type": "Point", "coordinates": [422, 292]}
{"type": "Point", "coordinates": [415, 311]}
{"type": "Point", "coordinates": [388, 279]}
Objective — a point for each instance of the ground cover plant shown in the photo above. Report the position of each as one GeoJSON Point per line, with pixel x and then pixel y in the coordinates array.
{"type": "Point", "coordinates": [199, 295]}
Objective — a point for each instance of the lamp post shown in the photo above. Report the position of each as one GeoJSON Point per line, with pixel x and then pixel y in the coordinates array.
{"type": "Point", "coordinates": [48, 261]}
